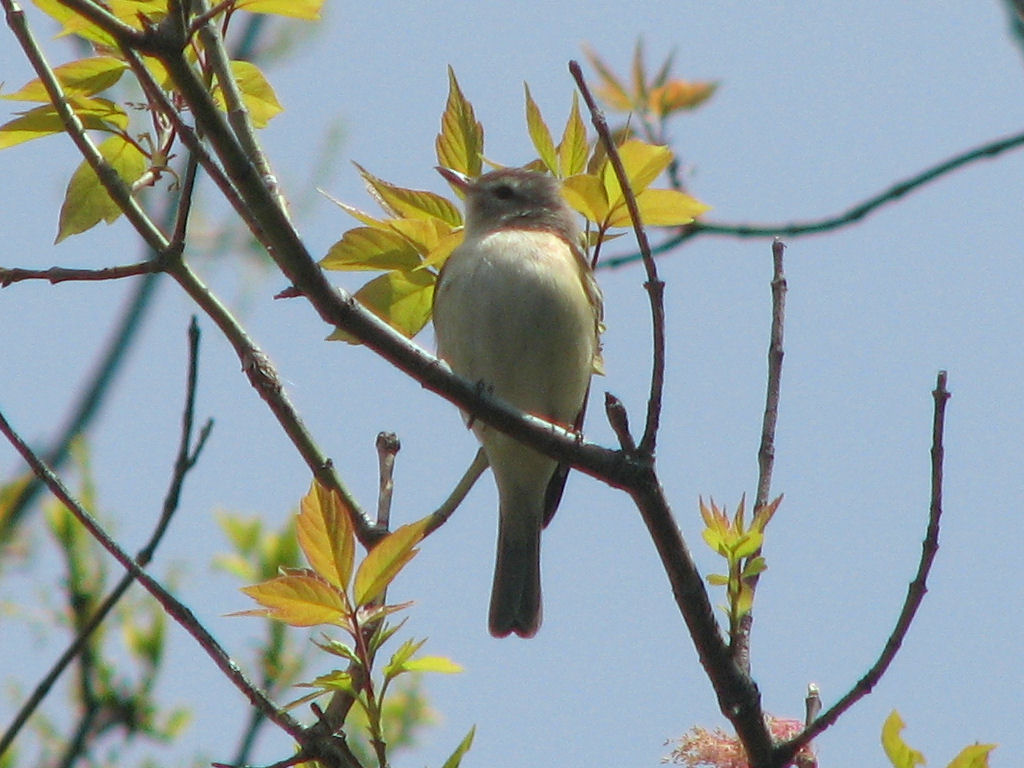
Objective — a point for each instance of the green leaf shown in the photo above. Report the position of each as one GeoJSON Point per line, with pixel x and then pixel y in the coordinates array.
{"type": "Point", "coordinates": [401, 299]}
{"type": "Point", "coordinates": [301, 600]}
{"type": "Point", "coordinates": [974, 756]}
{"type": "Point", "coordinates": [440, 664]}
{"type": "Point", "coordinates": [75, 24]}
{"type": "Point", "coordinates": [324, 530]}
{"type": "Point", "coordinates": [296, 9]}
{"type": "Point", "coordinates": [95, 114]}
{"type": "Point", "coordinates": [754, 567]}
{"type": "Point", "coordinates": [412, 203]}
{"type": "Point", "coordinates": [370, 248]}
{"type": "Point", "coordinates": [84, 77]}
{"type": "Point", "coordinates": [257, 93]}
{"type": "Point", "coordinates": [399, 658]}
{"type": "Point", "coordinates": [717, 579]}
{"type": "Point", "coordinates": [86, 201]}
{"type": "Point", "coordinates": [539, 133]}
{"type": "Point", "coordinates": [900, 754]}
{"type": "Point", "coordinates": [747, 545]}
{"type": "Point", "coordinates": [455, 760]}
{"type": "Point", "coordinates": [574, 148]}
{"type": "Point", "coordinates": [460, 144]}
{"type": "Point", "coordinates": [337, 648]}
{"type": "Point", "coordinates": [386, 560]}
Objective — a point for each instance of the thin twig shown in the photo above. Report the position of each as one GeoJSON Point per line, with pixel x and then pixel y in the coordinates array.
{"type": "Point", "coordinates": [188, 454]}
{"type": "Point", "coordinates": [740, 640]}
{"type": "Point", "coordinates": [265, 380]}
{"type": "Point", "coordinates": [10, 275]}
{"type": "Point", "coordinates": [170, 604]}
{"type": "Point", "coordinates": [441, 514]}
{"type": "Point", "coordinates": [655, 287]}
{"type": "Point", "coordinates": [849, 216]}
{"type": "Point", "coordinates": [388, 447]}
{"type": "Point", "coordinates": [237, 112]}
{"type": "Point", "coordinates": [915, 592]}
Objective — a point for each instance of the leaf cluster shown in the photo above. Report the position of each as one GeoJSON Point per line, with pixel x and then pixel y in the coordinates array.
{"type": "Point", "coordinates": [336, 591]}
{"type": "Point", "coordinates": [740, 545]}
{"type": "Point", "coordinates": [139, 143]}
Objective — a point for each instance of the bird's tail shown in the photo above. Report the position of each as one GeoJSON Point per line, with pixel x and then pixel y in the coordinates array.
{"type": "Point", "coordinates": [515, 596]}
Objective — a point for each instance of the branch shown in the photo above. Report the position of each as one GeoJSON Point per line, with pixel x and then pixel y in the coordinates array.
{"type": "Point", "coordinates": [915, 592]}
{"type": "Point", "coordinates": [740, 641]}
{"type": "Point", "coordinates": [188, 454]}
{"type": "Point", "coordinates": [845, 218]}
{"type": "Point", "coordinates": [170, 604]}
{"type": "Point", "coordinates": [9, 275]}
{"type": "Point", "coordinates": [655, 287]}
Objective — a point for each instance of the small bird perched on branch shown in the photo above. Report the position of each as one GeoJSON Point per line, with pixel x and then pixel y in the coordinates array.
{"type": "Point", "coordinates": [517, 309]}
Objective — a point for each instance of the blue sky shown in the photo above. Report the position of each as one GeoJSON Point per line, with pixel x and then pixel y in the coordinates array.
{"type": "Point", "coordinates": [817, 109]}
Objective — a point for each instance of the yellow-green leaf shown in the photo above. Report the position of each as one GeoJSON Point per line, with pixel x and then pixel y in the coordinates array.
{"type": "Point", "coordinates": [610, 89]}
{"type": "Point", "coordinates": [386, 559]}
{"type": "Point", "coordinates": [574, 148]}
{"type": "Point", "coordinates": [717, 579]}
{"type": "Point", "coordinates": [455, 759]}
{"type": "Point", "coordinates": [639, 72]}
{"type": "Point", "coordinates": [257, 94]}
{"type": "Point", "coordinates": [296, 9]}
{"type": "Point", "coordinates": [439, 254]}
{"type": "Point", "coordinates": [586, 194]}
{"type": "Point", "coordinates": [74, 24]}
{"type": "Point", "coordinates": [423, 234]}
{"type": "Point", "coordinates": [660, 208]}
{"type": "Point", "coordinates": [900, 754]}
{"type": "Point", "coordinates": [401, 299]}
{"type": "Point", "coordinates": [95, 114]}
{"type": "Point", "coordinates": [642, 162]}
{"type": "Point", "coordinates": [324, 530]}
{"type": "Point", "coordinates": [132, 12]}
{"type": "Point", "coordinates": [359, 215]}
{"type": "Point", "coordinates": [412, 203]}
{"type": "Point", "coordinates": [974, 756]}
{"type": "Point", "coordinates": [460, 144]}
{"type": "Point", "coordinates": [85, 77]}
{"type": "Point", "coordinates": [539, 133]}
{"type": "Point", "coordinates": [86, 201]}
{"type": "Point", "coordinates": [370, 248]}
{"type": "Point", "coordinates": [433, 664]}
{"type": "Point", "coordinates": [748, 544]}
{"type": "Point", "coordinates": [300, 600]}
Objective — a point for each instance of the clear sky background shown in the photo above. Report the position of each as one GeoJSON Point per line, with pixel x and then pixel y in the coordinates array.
{"type": "Point", "coordinates": [820, 106]}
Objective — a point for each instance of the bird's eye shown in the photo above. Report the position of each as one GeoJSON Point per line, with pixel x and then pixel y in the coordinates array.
{"type": "Point", "coordinates": [504, 192]}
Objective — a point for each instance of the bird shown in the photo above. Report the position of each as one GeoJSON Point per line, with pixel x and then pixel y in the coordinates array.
{"type": "Point", "coordinates": [518, 311]}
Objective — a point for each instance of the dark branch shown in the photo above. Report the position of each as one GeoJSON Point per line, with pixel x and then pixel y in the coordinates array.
{"type": "Point", "coordinates": [915, 592]}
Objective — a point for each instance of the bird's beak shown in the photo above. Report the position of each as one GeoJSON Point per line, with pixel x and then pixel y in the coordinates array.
{"type": "Point", "coordinates": [459, 181]}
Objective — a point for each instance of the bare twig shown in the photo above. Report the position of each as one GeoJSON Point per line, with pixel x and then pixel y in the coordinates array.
{"type": "Point", "coordinates": [388, 447]}
{"type": "Point", "coordinates": [655, 287]}
{"type": "Point", "coordinates": [915, 592]}
{"type": "Point", "coordinates": [9, 275]}
{"type": "Point", "coordinates": [469, 478]}
{"type": "Point", "coordinates": [188, 454]}
{"type": "Point", "coordinates": [170, 604]}
{"type": "Point", "coordinates": [849, 216]}
{"type": "Point", "coordinates": [265, 380]}
{"type": "Point", "coordinates": [740, 640]}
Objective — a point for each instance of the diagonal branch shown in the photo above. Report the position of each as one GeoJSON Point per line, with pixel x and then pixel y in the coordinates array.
{"type": "Point", "coordinates": [188, 454]}
{"type": "Point", "coordinates": [174, 608]}
{"type": "Point", "coordinates": [915, 592]}
{"type": "Point", "coordinates": [654, 285]}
